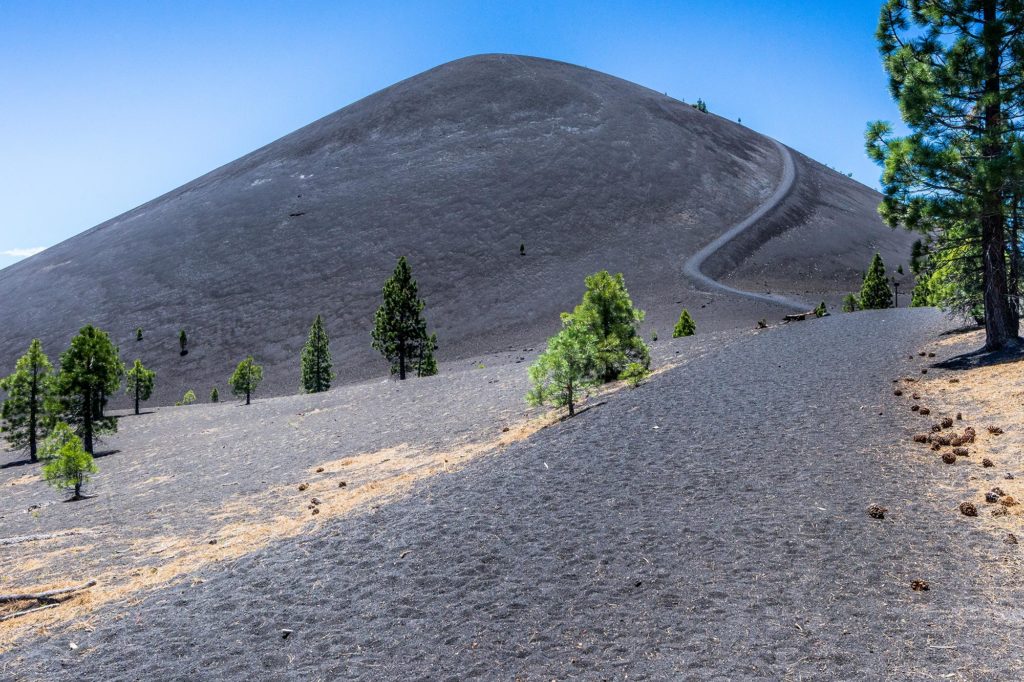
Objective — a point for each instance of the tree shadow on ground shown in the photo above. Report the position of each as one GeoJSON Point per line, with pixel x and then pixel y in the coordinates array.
{"type": "Point", "coordinates": [104, 453]}
{"type": "Point", "coordinates": [962, 330]}
{"type": "Point", "coordinates": [982, 358]}
{"type": "Point", "coordinates": [17, 463]}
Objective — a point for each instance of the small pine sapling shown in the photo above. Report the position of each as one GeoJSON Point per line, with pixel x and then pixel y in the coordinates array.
{"type": "Point", "coordinates": [138, 333]}
{"type": "Point", "coordinates": [214, 395]}
{"type": "Point", "coordinates": [68, 465]}
{"type": "Point", "coordinates": [850, 304]}
{"type": "Point", "coordinates": [182, 343]}
{"type": "Point", "coordinates": [685, 326]}
{"type": "Point", "coordinates": [634, 374]}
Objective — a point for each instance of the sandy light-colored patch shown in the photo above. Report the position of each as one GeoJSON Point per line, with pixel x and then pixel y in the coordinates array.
{"type": "Point", "coordinates": [990, 399]}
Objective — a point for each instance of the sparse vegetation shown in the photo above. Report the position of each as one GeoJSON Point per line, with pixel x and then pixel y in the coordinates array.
{"type": "Point", "coordinates": [90, 372]}
{"type": "Point", "coordinates": [701, 105]}
{"type": "Point", "coordinates": [139, 383]}
{"type": "Point", "coordinates": [246, 377]}
{"type": "Point", "coordinates": [634, 374]}
{"type": "Point", "coordinates": [608, 313]}
{"type": "Point", "coordinates": [67, 463]}
{"type": "Point", "coordinates": [29, 393]}
{"type": "Point", "coordinates": [399, 330]}
{"type": "Point", "coordinates": [821, 310]}
{"type": "Point", "coordinates": [685, 326]}
{"type": "Point", "coordinates": [850, 304]}
{"type": "Point", "coordinates": [188, 399]}
{"type": "Point", "coordinates": [316, 359]}
{"type": "Point", "coordinates": [567, 368]}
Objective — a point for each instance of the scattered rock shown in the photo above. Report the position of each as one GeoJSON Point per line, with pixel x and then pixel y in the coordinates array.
{"type": "Point", "coordinates": [959, 416]}
{"type": "Point", "coordinates": [342, 484]}
{"type": "Point", "coordinates": [915, 396]}
{"type": "Point", "coordinates": [961, 452]}
{"type": "Point", "coordinates": [315, 500]}
{"type": "Point", "coordinates": [897, 392]}
{"type": "Point", "coordinates": [919, 585]}
{"type": "Point", "coordinates": [943, 440]}
{"type": "Point", "coordinates": [991, 497]}
{"type": "Point", "coordinates": [968, 509]}
{"type": "Point", "coordinates": [1010, 539]}
{"type": "Point", "coordinates": [1008, 476]}
{"type": "Point", "coordinates": [987, 463]}
{"type": "Point", "coordinates": [213, 541]}
{"type": "Point", "coordinates": [915, 408]}
{"type": "Point", "coordinates": [995, 430]}
{"type": "Point", "coordinates": [924, 411]}
{"type": "Point", "coordinates": [956, 440]}
{"type": "Point", "coordinates": [998, 491]}
{"type": "Point", "coordinates": [936, 446]}
{"type": "Point", "coordinates": [931, 355]}
{"type": "Point", "coordinates": [1008, 501]}
{"type": "Point", "coordinates": [319, 470]}
{"type": "Point", "coordinates": [954, 381]}
{"type": "Point", "coordinates": [970, 434]}
{"type": "Point", "coordinates": [316, 510]}
{"type": "Point", "coordinates": [921, 438]}
{"type": "Point", "coordinates": [935, 429]}
{"type": "Point", "coordinates": [504, 429]}
{"type": "Point", "coordinates": [921, 354]}
{"type": "Point", "coordinates": [1000, 511]}
{"type": "Point", "coordinates": [877, 511]}
{"type": "Point", "coordinates": [947, 422]}
{"type": "Point", "coordinates": [924, 371]}
{"type": "Point", "coordinates": [303, 486]}
{"type": "Point", "coordinates": [910, 380]}
{"type": "Point", "coordinates": [285, 632]}
{"type": "Point", "coordinates": [949, 458]}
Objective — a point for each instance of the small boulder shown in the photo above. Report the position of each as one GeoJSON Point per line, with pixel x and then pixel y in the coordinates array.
{"type": "Point", "coordinates": [876, 511]}
{"type": "Point", "coordinates": [303, 486]}
{"type": "Point", "coordinates": [987, 463]}
{"type": "Point", "coordinates": [915, 408]}
{"type": "Point", "coordinates": [991, 497]}
{"type": "Point", "coordinates": [897, 392]}
{"type": "Point", "coordinates": [319, 470]}
{"type": "Point", "coordinates": [924, 411]}
{"type": "Point", "coordinates": [995, 430]}
{"type": "Point", "coordinates": [947, 422]}
{"type": "Point", "coordinates": [961, 452]}
{"type": "Point", "coordinates": [919, 585]}
{"type": "Point", "coordinates": [959, 416]}
{"type": "Point", "coordinates": [1000, 511]}
{"type": "Point", "coordinates": [915, 396]}
{"type": "Point", "coordinates": [1008, 501]}
{"type": "Point", "coordinates": [924, 371]}
{"type": "Point", "coordinates": [342, 484]}
{"type": "Point", "coordinates": [949, 458]}
{"type": "Point", "coordinates": [921, 438]}
{"type": "Point", "coordinates": [931, 355]}
{"type": "Point", "coordinates": [1010, 539]}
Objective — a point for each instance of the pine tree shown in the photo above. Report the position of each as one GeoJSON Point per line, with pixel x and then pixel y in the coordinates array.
{"type": "Point", "coordinates": [246, 378]}
{"type": "Point", "coordinates": [685, 326]}
{"type": "Point", "coordinates": [426, 363]}
{"type": "Point", "coordinates": [138, 333]}
{"type": "Point", "coordinates": [608, 312]}
{"type": "Point", "coordinates": [67, 464]}
{"type": "Point", "coordinates": [29, 390]}
{"type": "Point", "coordinates": [955, 69]}
{"type": "Point", "coordinates": [399, 330]}
{"type": "Point", "coordinates": [316, 359]}
{"type": "Point", "coordinates": [875, 292]}
{"type": "Point", "coordinates": [139, 383]}
{"type": "Point", "coordinates": [183, 342]}
{"type": "Point", "coordinates": [564, 371]}
{"type": "Point", "coordinates": [90, 371]}
{"type": "Point", "coordinates": [214, 395]}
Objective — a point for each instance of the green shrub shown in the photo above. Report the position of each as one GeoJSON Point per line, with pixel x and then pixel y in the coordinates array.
{"type": "Point", "coordinates": [634, 374]}
{"type": "Point", "coordinates": [850, 304]}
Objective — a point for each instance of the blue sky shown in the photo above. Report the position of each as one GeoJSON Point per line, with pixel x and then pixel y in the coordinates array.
{"type": "Point", "coordinates": [106, 105]}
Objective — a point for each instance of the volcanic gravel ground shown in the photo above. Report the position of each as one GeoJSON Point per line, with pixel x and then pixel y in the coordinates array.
{"type": "Point", "coordinates": [709, 525]}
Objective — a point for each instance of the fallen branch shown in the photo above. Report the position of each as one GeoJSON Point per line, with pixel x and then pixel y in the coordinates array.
{"type": "Point", "coordinates": [32, 538]}
{"type": "Point", "coordinates": [47, 595]}
{"type": "Point", "coordinates": [16, 614]}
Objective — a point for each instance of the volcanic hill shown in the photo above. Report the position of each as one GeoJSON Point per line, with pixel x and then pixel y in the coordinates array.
{"type": "Point", "coordinates": [454, 168]}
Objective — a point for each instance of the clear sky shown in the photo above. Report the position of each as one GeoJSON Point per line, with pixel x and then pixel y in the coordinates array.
{"type": "Point", "coordinates": [105, 105]}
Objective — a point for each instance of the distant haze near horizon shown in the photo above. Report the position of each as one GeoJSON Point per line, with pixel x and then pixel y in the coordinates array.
{"type": "Point", "coordinates": [108, 106]}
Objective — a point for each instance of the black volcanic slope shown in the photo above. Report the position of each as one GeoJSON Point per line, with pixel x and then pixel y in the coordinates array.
{"type": "Point", "coordinates": [453, 168]}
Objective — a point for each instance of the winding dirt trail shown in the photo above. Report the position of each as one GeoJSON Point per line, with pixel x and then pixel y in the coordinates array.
{"type": "Point", "coordinates": [692, 266]}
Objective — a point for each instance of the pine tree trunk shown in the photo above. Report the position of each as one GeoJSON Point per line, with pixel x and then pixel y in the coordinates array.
{"type": "Point", "coordinates": [32, 417]}
{"type": "Point", "coordinates": [137, 387]}
{"type": "Point", "coordinates": [999, 324]}
{"type": "Point", "coordinates": [78, 489]}
{"type": "Point", "coordinates": [572, 407]}
{"type": "Point", "coordinates": [87, 420]}
{"type": "Point", "coordinates": [401, 361]}
{"type": "Point", "coordinates": [247, 394]}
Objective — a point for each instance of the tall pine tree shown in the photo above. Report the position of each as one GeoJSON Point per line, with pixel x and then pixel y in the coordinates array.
{"type": "Point", "coordinates": [29, 390]}
{"type": "Point", "coordinates": [399, 330]}
{"type": "Point", "coordinates": [139, 383]}
{"type": "Point", "coordinates": [90, 371]}
{"type": "Point", "coordinates": [316, 359]}
{"type": "Point", "coordinates": [955, 69]}
{"type": "Point", "coordinates": [875, 292]}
